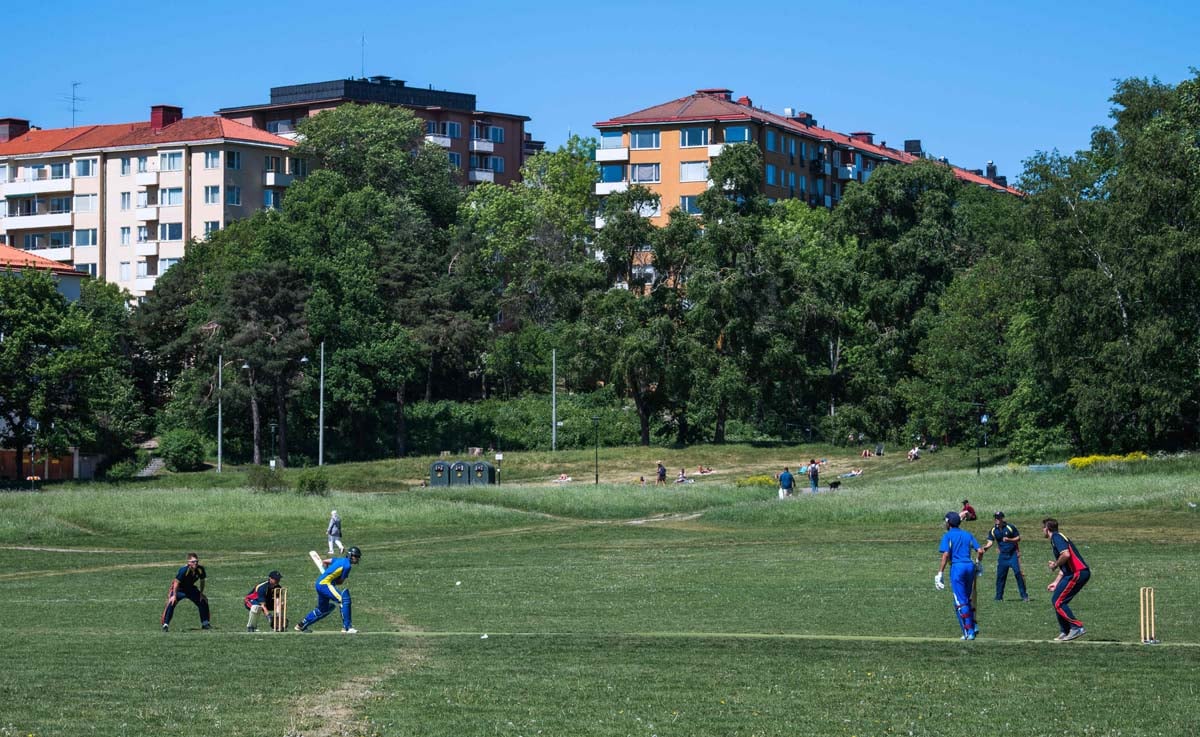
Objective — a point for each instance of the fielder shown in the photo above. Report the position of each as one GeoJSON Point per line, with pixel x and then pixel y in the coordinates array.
{"type": "Point", "coordinates": [261, 599]}
{"type": "Point", "coordinates": [333, 573]}
{"type": "Point", "coordinates": [1008, 538]}
{"type": "Point", "coordinates": [958, 548]}
{"type": "Point", "coordinates": [1073, 575]}
{"type": "Point", "coordinates": [187, 584]}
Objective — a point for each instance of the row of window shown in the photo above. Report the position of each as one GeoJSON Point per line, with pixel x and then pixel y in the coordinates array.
{"type": "Point", "coordinates": [90, 236]}
{"type": "Point", "coordinates": [451, 129]}
{"type": "Point", "coordinates": [650, 173]}
{"type": "Point", "coordinates": [173, 161]}
{"type": "Point", "coordinates": [149, 267]}
{"type": "Point", "coordinates": [643, 138]}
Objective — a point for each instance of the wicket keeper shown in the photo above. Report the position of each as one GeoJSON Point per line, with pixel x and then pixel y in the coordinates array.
{"type": "Point", "coordinates": [187, 584]}
{"type": "Point", "coordinates": [335, 573]}
{"type": "Point", "coordinates": [262, 599]}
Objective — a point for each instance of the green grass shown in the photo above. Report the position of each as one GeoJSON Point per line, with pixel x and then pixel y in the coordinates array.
{"type": "Point", "coordinates": [705, 609]}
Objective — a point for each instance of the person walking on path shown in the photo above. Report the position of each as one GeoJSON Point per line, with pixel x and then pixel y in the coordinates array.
{"type": "Point", "coordinates": [187, 584]}
{"type": "Point", "coordinates": [814, 472]}
{"type": "Point", "coordinates": [958, 548]}
{"type": "Point", "coordinates": [335, 573]}
{"type": "Point", "coordinates": [262, 599]}
{"type": "Point", "coordinates": [334, 532]}
{"type": "Point", "coordinates": [787, 483]}
{"type": "Point", "coordinates": [1008, 539]}
{"type": "Point", "coordinates": [660, 475]}
{"type": "Point", "coordinates": [1073, 575]}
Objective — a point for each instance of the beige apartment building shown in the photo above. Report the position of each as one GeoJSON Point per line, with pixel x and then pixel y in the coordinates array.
{"type": "Point", "coordinates": [484, 146]}
{"type": "Point", "coordinates": [122, 201]}
{"type": "Point", "coordinates": [668, 148]}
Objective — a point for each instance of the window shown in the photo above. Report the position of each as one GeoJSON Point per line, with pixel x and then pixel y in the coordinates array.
{"type": "Point", "coordinates": [693, 171]}
{"type": "Point", "coordinates": [497, 164]}
{"type": "Point", "coordinates": [611, 139]}
{"type": "Point", "coordinates": [60, 171]}
{"type": "Point", "coordinates": [170, 231]}
{"type": "Point", "coordinates": [212, 194]}
{"type": "Point", "coordinates": [166, 263]}
{"type": "Point", "coordinates": [299, 167]}
{"type": "Point", "coordinates": [272, 163]}
{"type": "Point", "coordinates": [650, 209]}
{"type": "Point", "coordinates": [211, 226]}
{"type": "Point", "coordinates": [233, 195]}
{"type": "Point", "coordinates": [85, 167]}
{"type": "Point", "coordinates": [451, 129]}
{"type": "Point", "coordinates": [3, 173]}
{"type": "Point", "coordinates": [737, 134]}
{"type": "Point", "coordinates": [143, 198]}
{"type": "Point", "coordinates": [792, 179]}
{"type": "Point", "coordinates": [59, 238]}
{"type": "Point", "coordinates": [34, 241]}
{"type": "Point", "coordinates": [281, 126]}
{"type": "Point", "coordinates": [431, 127]}
{"type": "Point", "coordinates": [770, 169]}
{"type": "Point", "coordinates": [481, 162]}
{"type": "Point", "coordinates": [171, 161]}
{"type": "Point", "coordinates": [85, 202]}
{"type": "Point", "coordinates": [803, 150]}
{"type": "Point", "coordinates": [495, 134]}
{"type": "Point", "coordinates": [837, 158]}
{"type": "Point", "coordinates": [59, 205]}
{"type": "Point", "coordinates": [821, 186]}
{"type": "Point", "coordinates": [126, 200]}
{"type": "Point", "coordinates": [643, 139]}
{"type": "Point", "coordinates": [212, 159]}
{"type": "Point", "coordinates": [690, 204]}
{"type": "Point", "coordinates": [612, 173]}
{"type": "Point", "coordinates": [143, 234]}
{"type": "Point", "coordinates": [643, 173]}
{"type": "Point", "coordinates": [233, 160]}
{"type": "Point", "coordinates": [89, 269]}
{"type": "Point", "coordinates": [143, 164]}
{"type": "Point", "coordinates": [857, 161]}
{"type": "Point", "coordinates": [689, 137]}
{"type": "Point", "coordinates": [123, 270]}
{"type": "Point", "coordinates": [125, 236]}
{"type": "Point", "coordinates": [271, 199]}
{"type": "Point", "coordinates": [86, 237]}
{"type": "Point", "coordinates": [145, 268]}
{"type": "Point", "coordinates": [455, 159]}
{"type": "Point", "coordinates": [803, 184]}
{"type": "Point", "coordinates": [170, 196]}
{"type": "Point", "coordinates": [770, 140]}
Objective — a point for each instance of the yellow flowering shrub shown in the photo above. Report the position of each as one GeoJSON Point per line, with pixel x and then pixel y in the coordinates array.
{"type": "Point", "coordinates": [1081, 462]}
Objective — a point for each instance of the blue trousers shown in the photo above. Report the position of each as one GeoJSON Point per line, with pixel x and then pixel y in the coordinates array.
{"type": "Point", "coordinates": [327, 595]}
{"type": "Point", "coordinates": [1004, 563]}
{"type": "Point", "coordinates": [1067, 587]}
{"type": "Point", "coordinates": [962, 584]}
{"type": "Point", "coordinates": [193, 594]}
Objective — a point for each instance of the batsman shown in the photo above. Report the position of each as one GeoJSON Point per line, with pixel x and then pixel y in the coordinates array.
{"type": "Point", "coordinates": [334, 573]}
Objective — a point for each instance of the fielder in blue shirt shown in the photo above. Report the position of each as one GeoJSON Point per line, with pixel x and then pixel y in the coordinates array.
{"type": "Point", "coordinates": [336, 571]}
{"type": "Point", "coordinates": [958, 548]}
{"type": "Point", "coordinates": [187, 584]}
{"type": "Point", "coordinates": [1008, 538]}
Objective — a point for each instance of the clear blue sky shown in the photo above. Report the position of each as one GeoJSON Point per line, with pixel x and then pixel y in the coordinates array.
{"type": "Point", "coordinates": [974, 81]}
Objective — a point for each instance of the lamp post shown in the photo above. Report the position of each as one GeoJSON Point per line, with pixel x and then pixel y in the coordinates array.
{"type": "Point", "coordinates": [983, 422]}
{"type": "Point", "coordinates": [596, 433]}
{"type": "Point", "coordinates": [273, 449]}
{"type": "Point", "coordinates": [219, 433]}
{"type": "Point", "coordinates": [320, 408]}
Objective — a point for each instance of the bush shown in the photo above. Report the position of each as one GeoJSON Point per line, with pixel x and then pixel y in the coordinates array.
{"type": "Point", "coordinates": [1081, 462]}
{"type": "Point", "coordinates": [312, 482]}
{"type": "Point", "coordinates": [183, 450]}
{"type": "Point", "coordinates": [763, 480]}
{"type": "Point", "coordinates": [266, 479]}
{"type": "Point", "coordinates": [122, 470]}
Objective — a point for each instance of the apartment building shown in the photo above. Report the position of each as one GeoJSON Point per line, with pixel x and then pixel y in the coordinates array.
{"type": "Point", "coordinates": [484, 146]}
{"type": "Point", "coordinates": [668, 148]}
{"type": "Point", "coordinates": [121, 201]}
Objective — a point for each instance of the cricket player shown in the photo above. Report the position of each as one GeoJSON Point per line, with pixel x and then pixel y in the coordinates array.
{"type": "Point", "coordinates": [262, 599]}
{"type": "Point", "coordinates": [1008, 538]}
{"type": "Point", "coordinates": [1073, 575]}
{"type": "Point", "coordinates": [335, 573]}
{"type": "Point", "coordinates": [958, 548]}
{"type": "Point", "coordinates": [187, 584]}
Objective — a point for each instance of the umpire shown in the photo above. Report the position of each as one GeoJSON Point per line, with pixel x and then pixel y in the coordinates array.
{"type": "Point", "coordinates": [1008, 539]}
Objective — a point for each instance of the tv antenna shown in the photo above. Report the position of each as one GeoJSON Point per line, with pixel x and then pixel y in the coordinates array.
{"type": "Point", "coordinates": [362, 57]}
{"type": "Point", "coordinates": [74, 99]}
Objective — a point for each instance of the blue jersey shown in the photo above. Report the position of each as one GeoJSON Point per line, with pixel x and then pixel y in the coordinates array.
{"type": "Point", "coordinates": [336, 573]}
{"type": "Point", "coordinates": [1074, 563]}
{"type": "Point", "coordinates": [785, 480]}
{"type": "Point", "coordinates": [189, 580]}
{"type": "Point", "coordinates": [997, 535]}
{"type": "Point", "coordinates": [961, 546]}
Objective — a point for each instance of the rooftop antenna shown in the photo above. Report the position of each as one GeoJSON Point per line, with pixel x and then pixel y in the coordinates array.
{"type": "Point", "coordinates": [74, 99]}
{"type": "Point", "coordinates": [362, 62]}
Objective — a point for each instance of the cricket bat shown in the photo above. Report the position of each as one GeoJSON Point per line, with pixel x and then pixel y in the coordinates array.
{"type": "Point", "coordinates": [316, 559]}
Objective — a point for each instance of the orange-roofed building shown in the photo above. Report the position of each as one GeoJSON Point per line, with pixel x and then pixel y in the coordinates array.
{"type": "Point", "coordinates": [14, 260]}
{"type": "Point", "coordinates": [121, 201]}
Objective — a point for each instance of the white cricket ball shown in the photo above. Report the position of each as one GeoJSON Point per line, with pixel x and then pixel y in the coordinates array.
{"type": "Point", "coordinates": [458, 583]}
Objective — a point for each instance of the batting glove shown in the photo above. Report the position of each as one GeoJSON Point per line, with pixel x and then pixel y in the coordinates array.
{"type": "Point", "coordinates": [979, 568]}
{"type": "Point", "coordinates": [937, 582]}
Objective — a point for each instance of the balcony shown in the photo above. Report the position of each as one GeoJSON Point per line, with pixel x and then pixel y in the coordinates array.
{"type": "Point", "coordinates": [603, 188]}
{"type": "Point", "coordinates": [612, 154]}
{"type": "Point", "coordinates": [438, 140]}
{"type": "Point", "coordinates": [277, 179]}
{"type": "Point", "coordinates": [715, 149]}
{"type": "Point", "coordinates": [828, 202]}
{"type": "Point", "coordinates": [480, 175]}
{"type": "Point", "coordinates": [148, 248]}
{"type": "Point", "coordinates": [146, 179]}
{"type": "Point", "coordinates": [847, 172]}
{"type": "Point", "coordinates": [59, 253]}
{"type": "Point", "coordinates": [35, 184]}
{"type": "Point", "coordinates": [146, 213]}
{"type": "Point", "coordinates": [482, 145]}
{"type": "Point", "coordinates": [38, 220]}
{"type": "Point", "coordinates": [144, 283]}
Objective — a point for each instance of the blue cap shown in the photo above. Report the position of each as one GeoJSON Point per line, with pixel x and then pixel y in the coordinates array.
{"type": "Point", "coordinates": [953, 519]}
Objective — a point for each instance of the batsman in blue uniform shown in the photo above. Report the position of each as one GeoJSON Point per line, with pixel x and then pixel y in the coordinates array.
{"type": "Point", "coordinates": [336, 572]}
{"type": "Point", "coordinates": [1008, 538]}
{"type": "Point", "coordinates": [958, 548]}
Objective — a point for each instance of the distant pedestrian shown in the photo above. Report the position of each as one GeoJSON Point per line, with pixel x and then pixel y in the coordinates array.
{"type": "Point", "coordinates": [660, 475]}
{"type": "Point", "coordinates": [262, 599]}
{"type": "Point", "coordinates": [1073, 575]}
{"type": "Point", "coordinates": [814, 473]}
{"type": "Point", "coordinates": [1008, 539]}
{"type": "Point", "coordinates": [187, 584]}
{"type": "Point", "coordinates": [787, 483]}
{"type": "Point", "coordinates": [958, 548]}
{"type": "Point", "coordinates": [334, 531]}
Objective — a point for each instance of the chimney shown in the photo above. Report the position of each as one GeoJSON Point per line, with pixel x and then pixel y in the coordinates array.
{"type": "Point", "coordinates": [991, 171]}
{"type": "Point", "coordinates": [1001, 180]}
{"type": "Point", "coordinates": [11, 128]}
{"type": "Point", "coordinates": [863, 137]}
{"type": "Point", "coordinates": [745, 101]}
{"type": "Point", "coordinates": [804, 118]}
{"type": "Point", "coordinates": [789, 112]}
{"type": "Point", "coordinates": [720, 92]}
{"type": "Point", "coordinates": [913, 146]}
{"type": "Point", "coordinates": [163, 115]}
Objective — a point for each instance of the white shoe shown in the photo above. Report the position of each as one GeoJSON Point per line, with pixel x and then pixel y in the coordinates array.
{"type": "Point", "coordinates": [1074, 633]}
{"type": "Point", "coordinates": [350, 631]}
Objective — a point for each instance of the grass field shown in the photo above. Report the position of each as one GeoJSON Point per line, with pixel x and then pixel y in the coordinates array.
{"type": "Point", "coordinates": [705, 609]}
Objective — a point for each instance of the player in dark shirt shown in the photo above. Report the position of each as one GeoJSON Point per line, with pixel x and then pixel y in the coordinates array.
{"type": "Point", "coordinates": [262, 598]}
{"type": "Point", "coordinates": [1073, 575]}
{"type": "Point", "coordinates": [187, 584]}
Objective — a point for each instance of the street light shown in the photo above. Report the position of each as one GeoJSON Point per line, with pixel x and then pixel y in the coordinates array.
{"type": "Point", "coordinates": [220, 397]}
{"type": "Point", "coordinates": [983, 421]}
{"type": "Point", "coordinates": [320, 408]}
{"type": "Point", "coordinates": [274, 450]}
{"type": "Point", "coordinates": [596, 431]}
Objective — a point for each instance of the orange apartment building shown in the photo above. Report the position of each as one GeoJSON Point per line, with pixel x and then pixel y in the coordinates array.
{"type": "Point", "coordinates": [484, 146]}
{"type": "Point", "coordinates": [121, 201]}
{"type": "Point", "coordinates": [668, 147]}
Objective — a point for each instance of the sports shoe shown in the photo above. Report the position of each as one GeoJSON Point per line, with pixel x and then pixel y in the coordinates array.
{"type": "Point", "coordinates": [1061, 636]}
{"type": "Point", "coordinates": [166, 628]}
{"type": "Point", "coordinates": [350, 631]}
{"type": "Point", "coordinates": [300, 627]}
{"type": "Point", "coordinates": [1074, 633]}
{"type": "Point", "coordinates": [251, 628]}
{"type": "Point", "coordinates": [1024, 598]}
{"type": "Point", "coordinates": [970, 635]}
{"type": "Point", "coordinates": [205, 626]}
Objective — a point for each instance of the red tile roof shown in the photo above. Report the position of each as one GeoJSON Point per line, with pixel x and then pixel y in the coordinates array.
{"type": "Point", "coordinates": [714, 104]}
{"type": "Point", "coordinates": [88, 137]}
{"type": "Point", "coordinates": [14, 258]}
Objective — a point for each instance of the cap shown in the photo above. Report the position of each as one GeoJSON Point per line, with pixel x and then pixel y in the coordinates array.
{"type": "Point", "coordinates": [276, 575]}
{"type": "Point", "coordinates": [953, 519]}
{"type": "Point", "coordinates": [999, 515]}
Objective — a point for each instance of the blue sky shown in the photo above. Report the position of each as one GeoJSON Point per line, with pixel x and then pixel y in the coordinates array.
{"type": "Point", "coordinates": [974, 81]}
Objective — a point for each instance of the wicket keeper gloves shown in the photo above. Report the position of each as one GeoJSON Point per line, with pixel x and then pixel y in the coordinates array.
{"type": "Point", "coordinates": [937, 582]}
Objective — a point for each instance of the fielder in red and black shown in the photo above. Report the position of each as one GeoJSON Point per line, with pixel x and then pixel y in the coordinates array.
{"type": "Point", "coordinates": [262, 599]}
{"type": "Point", "coordinates": [187, 584]}
{"type": "Point", "coordinates": [1073, 575]}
